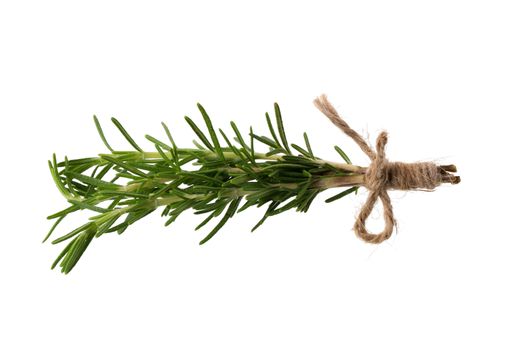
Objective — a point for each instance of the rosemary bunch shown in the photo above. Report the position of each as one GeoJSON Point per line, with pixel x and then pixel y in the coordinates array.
{"type": "Point", "coordinates": [219, 177]}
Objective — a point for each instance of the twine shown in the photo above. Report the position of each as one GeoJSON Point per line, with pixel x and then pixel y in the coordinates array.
{"type": "Point", "coordinates": [383, 175]}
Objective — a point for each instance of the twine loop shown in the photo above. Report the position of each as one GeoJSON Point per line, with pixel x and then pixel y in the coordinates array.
{"type": "Point", "coordinates": [382, 175]}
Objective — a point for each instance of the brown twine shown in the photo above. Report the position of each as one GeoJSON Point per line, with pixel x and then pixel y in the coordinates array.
{"type": "Point", "coordinates": [383, 175]}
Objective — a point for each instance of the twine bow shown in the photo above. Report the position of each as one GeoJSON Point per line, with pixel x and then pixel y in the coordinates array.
{"type": "Point", "coordinates": [383, 175]}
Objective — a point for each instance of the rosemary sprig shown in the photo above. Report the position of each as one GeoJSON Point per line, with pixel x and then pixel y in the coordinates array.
{"type": "Point", "coordinates": [217, 181]}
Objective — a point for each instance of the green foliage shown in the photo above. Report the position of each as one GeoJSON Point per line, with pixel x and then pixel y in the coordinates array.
{"type": "Point", "coordinates": [214, 180]}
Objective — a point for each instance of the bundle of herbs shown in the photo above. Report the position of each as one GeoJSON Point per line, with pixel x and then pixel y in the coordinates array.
{"type": "Point", "coordinates": [217, 178]}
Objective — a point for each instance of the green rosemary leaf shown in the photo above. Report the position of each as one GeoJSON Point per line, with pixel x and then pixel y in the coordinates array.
{"type": "Point", "coordinates": [268, 212]}
{"type": "Point", "coordinates": [116, 201]}
{"type": "Point", "coordinates": [212, 132]}
{"type": "Point", "coordinates": [174, 150]}
{"type": "Point", "coordinates": [272, 131]}
{"type": "Point", "coordinates": [104, 228]}
{"type": "Point", "coordinates": [283, 165]}
{"type": "Point", "coordinates": [308, 147]}
{"type": "Point", "coordinates": [261, 194]}
{"type": "Point", "coordinates": [301, 150]}
{"type": "Point", "coordinates": [198, 145]}
{"type": "Point", "coordinates": [343, 155]}
{"type": "Point", "coordinates": [66, 211]}
{"type": "Point", "coordinates": [124, 175]}
{"type": "Point", "coordinates": [101, 133]}
{"type": "Point", "coordinates": [252, 150]}
{"type": "Point", "coordinates": [165, 211]}
{"type": "Point", "coordinates": [299, 160]}
{"type": "Point", "coordinates": [307, 201]}
{"type": "Point", "coordinates": [291, 204]}
{"type": "Point", "coordinates": [72, 233]}
{"type": "Point", "coordinates": [211, 207]}
{"type": "Point", "coordinates": [295, 176]}
{"type": "Point", "coordinates": [103, 172]}
{"type": "Point", "coordinates": [124, 165]}
{"type": "Point", "coordinates": [165, 157]}
{"type": "Point", "coordinates": [246, 205]}
{"type": "Point", "coordinates": [126, 135]}
{"type": "Point", "coordinates": [265, 140]}
{"type": "Point", "coordinates": [56, 177]}
{"type": "Point", "coordinates": [303, 190]}
{"type": "Point", "coordinates": [218, 211]}
{"type": "Point", "coordinates": [62, 254]}
{"type": "Point", "coordinates": [168, 133]}
{"type": "Point", "coordinates": [199, 133]}
{"type": "Point", "coordinates": [134, 217]}
{"type": "Point", "coordinates": [118, 228]}
{"type": "Point", "coordinates": [230, 145]}
{"type": "Point", "coordinates": [93, 181]}
{"type": "Point", "coordinates": [244, 147]}
{"type": "Point", "coordinates": [197, 176]}
{"type": "Point", "coordinates": [174, 214]}
{"type": "Point", "coordinates": [68, 185]}
{"type": "Point", "coordinates": [280, 127]}
{"type": "Point", "coordinates": [274, 151]}
{"type": "Point", "coordinates": [239, 180]}
{"type": "Point", "coordinates": [90, 188]}
{"type": "Point", "coordinates": [205, 221]}
{"type": "Point", "coordinates": [229, 213]}
{"type": "Point", "coordinates": [158, 142]}
{"type": "Point", "coordinates": [54, 227]}
{"type": "Point", "coordinates": [77, 249]}
{"type": "Point", "coordinates": [81, 161]}
{"type": "Point", "coordinates": [146, 166]}
{"type": "Point", "coordinates": [84, 205]}
{"type": "Point", "coordinates": [342, 194]}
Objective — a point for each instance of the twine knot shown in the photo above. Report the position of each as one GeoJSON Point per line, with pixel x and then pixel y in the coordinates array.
{"type": "Point", "coordinates": [383, 175]}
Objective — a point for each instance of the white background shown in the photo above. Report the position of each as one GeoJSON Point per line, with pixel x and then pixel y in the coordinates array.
{"type": "Point", "coordinates": [446, 79]}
